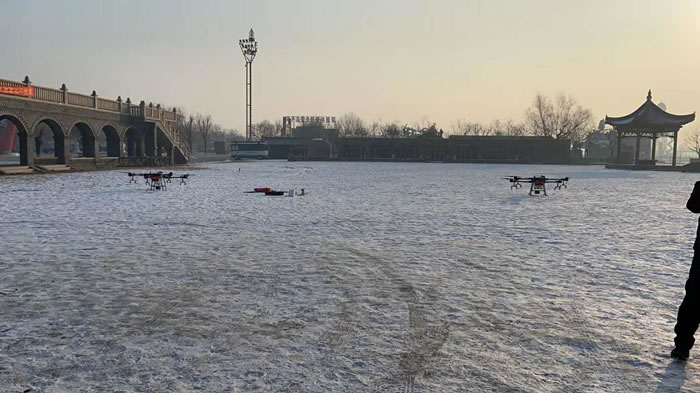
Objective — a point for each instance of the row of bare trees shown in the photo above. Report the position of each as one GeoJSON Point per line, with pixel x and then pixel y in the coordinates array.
{"type": "Point", "coordinates": [497, 127]}
{"type": "Point", "coordinates": [266, 129]}
{"type": "Point", "coordinates": [199, 131]}
{"type": "Point", "coordinates": [561, 118]}
{"type": "Point", "coordinates": [350, 124]}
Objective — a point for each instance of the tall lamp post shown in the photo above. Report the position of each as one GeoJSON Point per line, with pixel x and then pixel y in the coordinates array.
{"type": "Point", "coordinates": [249, 48]}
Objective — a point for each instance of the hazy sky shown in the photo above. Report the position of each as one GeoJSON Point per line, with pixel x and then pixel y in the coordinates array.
{"type": "Point", "coordinates": [382, 59]}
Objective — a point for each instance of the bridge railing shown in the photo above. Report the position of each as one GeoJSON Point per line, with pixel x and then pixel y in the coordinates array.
{"type": "Point", "coordinates": [5, 82]}
{"type": "Point", "coordinates": [80, 100]}
{"type": "Point", "coordinates": [108, 105]}
{"type": "Point", "coordinates": [63, 96]}
{"type": "Point", "coordinates": [48, 94]}
{"type": "Point", "coordinates": [135, 111]}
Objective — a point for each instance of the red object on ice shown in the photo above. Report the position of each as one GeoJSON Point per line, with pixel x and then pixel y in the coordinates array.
{"type": "Point", "coordinates": [262, 189]}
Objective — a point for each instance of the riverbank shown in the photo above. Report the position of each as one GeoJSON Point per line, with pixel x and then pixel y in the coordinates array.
{"type": "Point", "coordinates": [10, 165]}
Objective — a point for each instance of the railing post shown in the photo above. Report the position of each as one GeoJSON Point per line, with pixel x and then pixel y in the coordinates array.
{"type": "Point", "coordinates": [177, 130]}
{"type": "Point", "coordinates": [94, 99]}
{"type": "Point", "coordinates": [142, 106]}
{"type": "Point", "coordinates": [64, 89]}
{"type": "Point", "coordinates": [119, 101]}
{"type": "Point", "coordinates": [26, 81]}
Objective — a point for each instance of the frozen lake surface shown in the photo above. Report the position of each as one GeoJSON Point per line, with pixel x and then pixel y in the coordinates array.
{"type": "Point", "coordinates": [386, 278]}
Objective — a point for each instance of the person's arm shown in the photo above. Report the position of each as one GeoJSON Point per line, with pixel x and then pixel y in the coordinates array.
{"type": "Point", "coordinates": [693, 203]}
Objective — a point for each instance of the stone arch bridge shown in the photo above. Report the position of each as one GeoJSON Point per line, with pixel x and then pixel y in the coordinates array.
{"type": "Point", "coordinates": [134, 135]}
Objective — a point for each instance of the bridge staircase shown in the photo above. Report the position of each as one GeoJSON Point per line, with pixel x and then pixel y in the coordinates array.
{"type": "Point", "coordinates": [166, 122]}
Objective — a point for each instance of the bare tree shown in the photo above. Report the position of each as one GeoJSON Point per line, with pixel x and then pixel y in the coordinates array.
{"type": "Point", "coordinates": [391, 130]}
{"type": "Point", "coordinates": [204, 126]}
{"type": "Point", "coordinates": [462, 127]}
{"type": "Point", "coordinates": [350, 124]}
{"type": "Point", "coordinates": [611, 136]}
{"type": "Point", "coordinates": [217, 133]}
{"type": "Point", "coordinates": [422, 124]}
{"type": "Point", "coordinates": [511, 128]}
{"type": "Point", "coordinates": [540, 117]}
{"type": "Point", "coordinates": [278, 127]}
{"type": "Point", "coordinates": [693, 142]}
{"type": "Point", "coordinates": [565, 120]}
{"type": "Point", "coordinates": [188, 127]}
{"type": "Point", "coordinates": [185, 126]}
{"type": "Point", "coordinates": [265, 129]}
{"type": "Point", "coordinates": [376, 128]}
{"type": "Point", "coordinates": [234, 135]}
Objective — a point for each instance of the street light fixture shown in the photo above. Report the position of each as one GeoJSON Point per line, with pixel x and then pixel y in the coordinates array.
{"type": "Point", "coordinates": [249, 48]}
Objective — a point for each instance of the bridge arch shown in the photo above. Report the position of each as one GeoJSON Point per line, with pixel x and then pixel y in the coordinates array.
{"type": "Point", "coordinates": [14, 132]}
{"type": "Point", "coordinates": [133, 138]}
{"type": "Point", "coordinates": [55, 137]}
{"type": "Point", "coordinates": [109, 141]}
{"type": "Point", "coordinates": [81, 140]}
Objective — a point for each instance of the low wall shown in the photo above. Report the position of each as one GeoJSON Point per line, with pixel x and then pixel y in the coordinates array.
{"type": "Point", "coordinates": [45, 161]}
{"type": "Point", "coordinates": [91, 164]}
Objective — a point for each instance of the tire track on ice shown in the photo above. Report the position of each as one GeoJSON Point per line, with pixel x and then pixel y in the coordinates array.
{"type": "Point", "coordinates": [424, 341]}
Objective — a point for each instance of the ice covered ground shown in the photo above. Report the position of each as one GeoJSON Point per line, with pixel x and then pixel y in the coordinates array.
{"type": "Point", "coordinates": [386, 278]}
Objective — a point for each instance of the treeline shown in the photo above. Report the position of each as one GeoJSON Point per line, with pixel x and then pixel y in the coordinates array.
{"type": "Point", "coordinates": [561, 117]}
{"type": "Point", "coordinates": [200, 132]}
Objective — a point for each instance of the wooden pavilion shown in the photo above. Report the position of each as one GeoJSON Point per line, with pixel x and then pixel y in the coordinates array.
{"type": "Point", "coordinates": [648, 121]}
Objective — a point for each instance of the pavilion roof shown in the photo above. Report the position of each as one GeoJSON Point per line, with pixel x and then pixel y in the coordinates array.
{"type": "Point", "coordinates": [650, 116]}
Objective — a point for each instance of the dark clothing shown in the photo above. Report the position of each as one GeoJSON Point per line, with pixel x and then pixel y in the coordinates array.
{"type": "Point", "coordinates": [689, 311]}
{"type": "Point", "coordinates": [693, 205]}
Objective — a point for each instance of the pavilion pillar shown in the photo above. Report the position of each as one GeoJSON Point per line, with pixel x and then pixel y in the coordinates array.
{"type": "Point", "coordinates": [653, 149]}
{"type": "Point", "coordinates": [619, 145]}
{"type": "Point", "coordinates": [636, 150]}
{"type": "Point", "coordinates": [675, 146]}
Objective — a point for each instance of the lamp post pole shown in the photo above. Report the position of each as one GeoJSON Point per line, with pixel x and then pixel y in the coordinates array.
{"type": "Point", "coordinates": [249, 48]}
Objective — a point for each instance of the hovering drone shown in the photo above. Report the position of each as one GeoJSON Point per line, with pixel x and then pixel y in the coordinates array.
{"type": "Point", "coordinates": [158, 180]}
{"type": "Point", "coordinates": [537, 183]}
